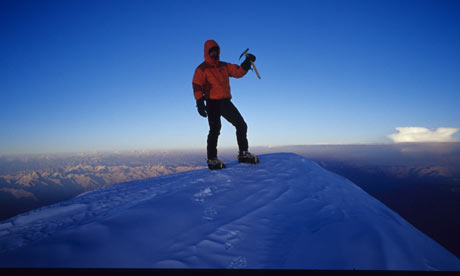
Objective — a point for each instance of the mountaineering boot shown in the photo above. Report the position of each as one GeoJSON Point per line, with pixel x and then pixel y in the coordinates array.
{"type": "Point", "coordinates": [247, 157]}
{"type": "Point", "coordinates": [215, 164]}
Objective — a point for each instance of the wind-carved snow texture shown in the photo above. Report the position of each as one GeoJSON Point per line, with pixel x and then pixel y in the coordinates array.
{"type": "Point", "coordinates": [285, 212]}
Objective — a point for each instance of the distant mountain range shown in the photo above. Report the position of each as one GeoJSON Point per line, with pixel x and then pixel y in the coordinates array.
{"type": "Point", "coordinates": [86, 176]}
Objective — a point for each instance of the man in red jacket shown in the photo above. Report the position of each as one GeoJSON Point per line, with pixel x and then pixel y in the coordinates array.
{"type": "Point", "coordinates": [211, 83]}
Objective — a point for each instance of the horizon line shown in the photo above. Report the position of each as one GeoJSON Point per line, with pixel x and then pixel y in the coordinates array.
{"type": "Point", "coordinates": [194, 149]}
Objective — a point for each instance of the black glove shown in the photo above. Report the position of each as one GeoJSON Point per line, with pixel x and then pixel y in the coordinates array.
{"type": "Point", "coordinates": [201, 107]}
{"type": "Point", "coordinates": [247, 62]}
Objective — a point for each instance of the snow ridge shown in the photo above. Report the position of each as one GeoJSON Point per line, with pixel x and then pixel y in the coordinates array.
{"type": "Point", "coordinates": [286, 212]}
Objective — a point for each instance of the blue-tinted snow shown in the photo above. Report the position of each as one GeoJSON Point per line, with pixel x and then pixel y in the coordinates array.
{"type": "Point", "coordinates": [286, 212]}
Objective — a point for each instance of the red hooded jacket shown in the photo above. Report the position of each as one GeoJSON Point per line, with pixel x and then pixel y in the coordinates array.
{"type": "Point", "coordinates": [211, 78]}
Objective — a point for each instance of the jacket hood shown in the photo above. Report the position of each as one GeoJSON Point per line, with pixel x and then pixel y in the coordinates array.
{"type": "Point", "coordinates": [207, 46]}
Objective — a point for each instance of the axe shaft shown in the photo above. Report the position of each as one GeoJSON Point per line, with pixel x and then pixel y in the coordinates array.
{"type": "Point", "coordinates": [253, 65]}
{"type": "Point", "coordinates": [255, 69]}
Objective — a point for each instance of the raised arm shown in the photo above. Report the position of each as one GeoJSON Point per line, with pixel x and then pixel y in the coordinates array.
{"type": "Point", "coordinates": [236, 71]}
{"type": "Point", "coordinates": [239, 71]}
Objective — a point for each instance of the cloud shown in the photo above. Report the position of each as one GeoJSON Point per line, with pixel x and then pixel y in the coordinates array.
{"type": "Point", "coordinates": [421, 134]}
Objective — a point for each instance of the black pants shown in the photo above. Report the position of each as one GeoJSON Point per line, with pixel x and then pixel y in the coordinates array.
{"type": "Point", "coordinates": [226, 109]}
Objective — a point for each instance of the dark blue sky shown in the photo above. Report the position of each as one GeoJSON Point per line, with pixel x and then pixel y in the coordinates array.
{"type": "Point", "coordinates": [114, 75]}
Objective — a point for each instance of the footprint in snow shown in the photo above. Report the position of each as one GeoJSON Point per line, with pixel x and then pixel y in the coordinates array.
{"type": "Point", "coordinates": [198, 180]}
{"type": "Point", "coordinates": [200, 196]}
{"type": "Point", "coordinates": [210, 213]}
{"type": "Point", "coordinates": [238, 263]}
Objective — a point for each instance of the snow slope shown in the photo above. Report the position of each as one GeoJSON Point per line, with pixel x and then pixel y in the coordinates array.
{"type": "Point", "coordinates": [286, 212]}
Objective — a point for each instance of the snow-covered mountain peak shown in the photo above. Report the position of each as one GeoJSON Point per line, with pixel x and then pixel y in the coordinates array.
{"type": "Point", "coordinates": [285, 212]}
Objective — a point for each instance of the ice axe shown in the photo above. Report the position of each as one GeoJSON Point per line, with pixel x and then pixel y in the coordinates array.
{"type": "Point", "coordinates": [245, 53]}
